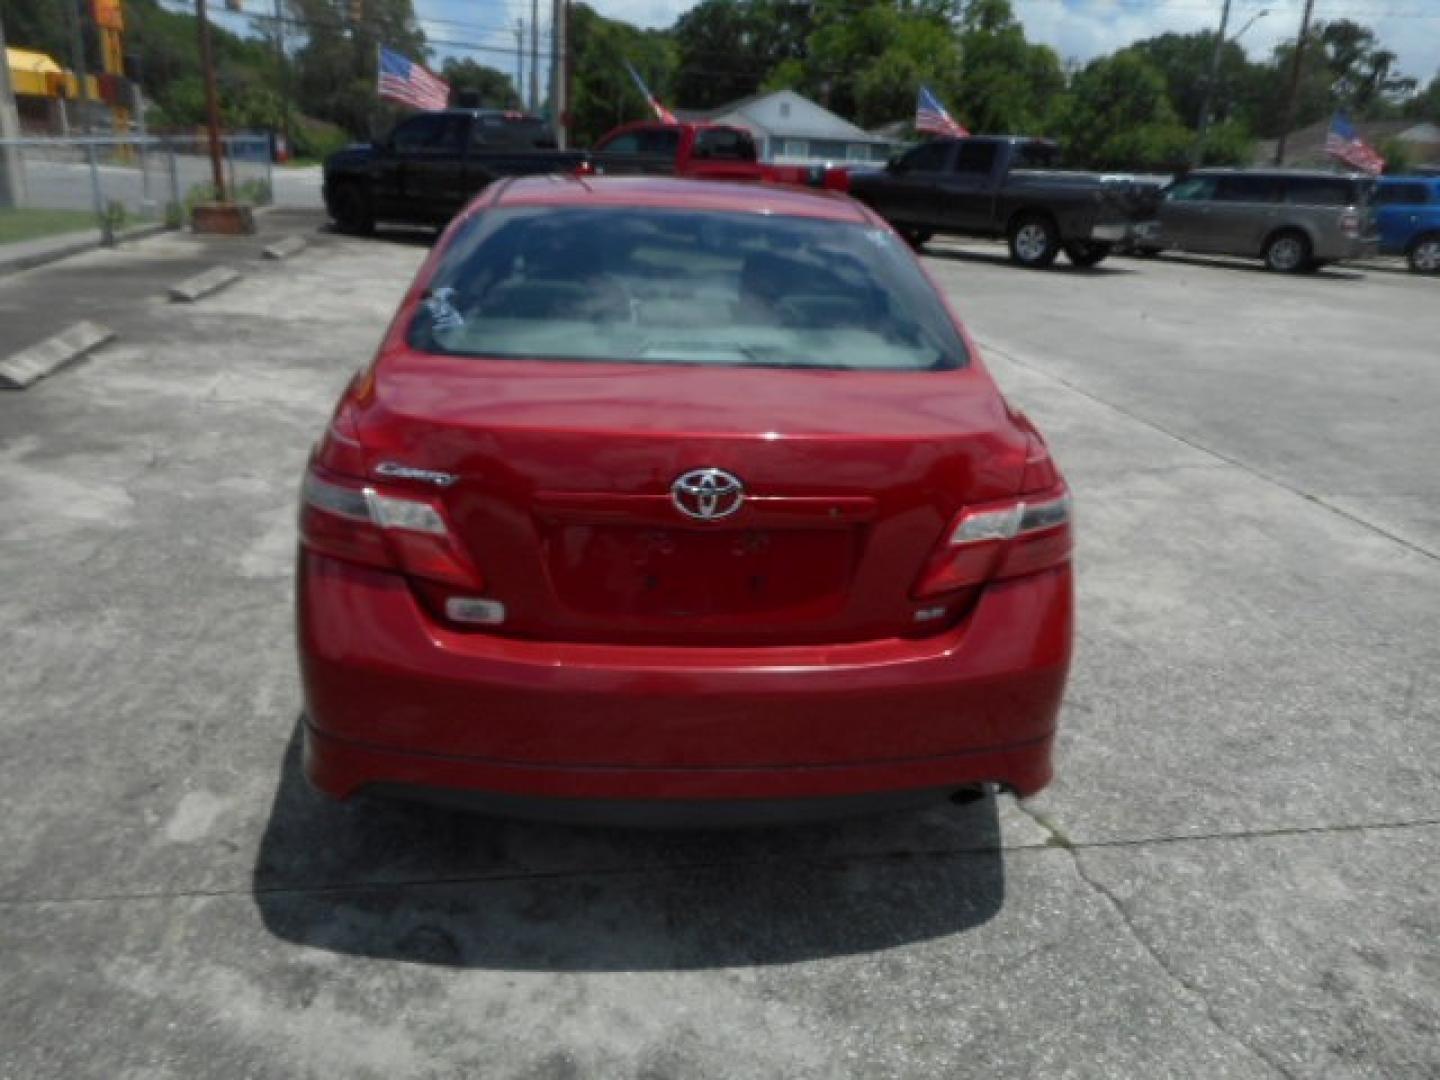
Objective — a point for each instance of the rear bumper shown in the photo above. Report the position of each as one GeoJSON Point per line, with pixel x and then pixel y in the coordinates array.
{"type": "Point", "coordinates": [1112, 232]}
{"type": "Point", "coordinates": [1344, 250]}
{"type": "Point", "coordinates": [395, 700]}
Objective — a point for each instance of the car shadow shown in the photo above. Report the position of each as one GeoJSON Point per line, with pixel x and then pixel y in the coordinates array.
{"type": "Point", "coordinates": [1002, 258]}
{"type": "Point", "coordinates": [432, 885]}
{"type": "Point", "coordinates": [1331, 272]}
{"type": "Point", "coordinates": [387, 234]}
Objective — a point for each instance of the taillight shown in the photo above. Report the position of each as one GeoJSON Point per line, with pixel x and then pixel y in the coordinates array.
{"type": "Point", "coordinates": [358, 522]}
{"type": "Point", "coordinates": [1000, 540]}
{"type": "Point", "coordinates": [1350, 223]}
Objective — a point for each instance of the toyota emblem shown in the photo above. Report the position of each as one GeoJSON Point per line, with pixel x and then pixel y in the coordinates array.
{"type": "Point", "coordinates": [707, 494]}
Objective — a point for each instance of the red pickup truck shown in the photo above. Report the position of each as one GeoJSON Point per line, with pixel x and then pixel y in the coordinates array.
{"type": "Point", "coordinates": [434, 163]}
{"type": "Point", "coordinates": [705, 151]}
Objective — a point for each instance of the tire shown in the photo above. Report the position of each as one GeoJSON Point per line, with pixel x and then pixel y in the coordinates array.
{"type": "Point", "coordinates": [1086, 253]}
{"type": "Point", "coordinates": [1034, 241]}
{"type": "Point", "coordinates": [1424, 254]}
{"type": "Point", "coordinates": [352, 210]}
{"type": "Point", "coordinates": [1287, 252]}
{"type": "Point", "coordinates": [916, 238]}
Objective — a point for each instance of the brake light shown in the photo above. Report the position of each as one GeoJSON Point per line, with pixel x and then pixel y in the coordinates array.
{"type": "Point", "coordinates": [1350, 223]}
{"type": "Point", "coordinates": [1000, 540]}
{"type": "Point", "coordinates": [358, 522]}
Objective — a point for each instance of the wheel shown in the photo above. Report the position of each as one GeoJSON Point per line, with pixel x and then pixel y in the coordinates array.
{"type": "Point", "coordinates": [1287, 252]}
{"type": "Point", "coordinates": [1087, 252]}
{"type": "Point", "coordinates": [352, 210]}
{"type": "Point", "coordinates": [1424, 254]}
{"type": "Point", "coordinates": [1034, 241]}
{"type": "Point", "coordinates": [916, 238]}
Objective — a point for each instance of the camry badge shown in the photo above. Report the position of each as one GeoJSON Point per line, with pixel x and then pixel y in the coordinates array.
{"type": "Point", "coordinates": [396, 471]}
{"type": "Point", "coordinates": [707, 494]}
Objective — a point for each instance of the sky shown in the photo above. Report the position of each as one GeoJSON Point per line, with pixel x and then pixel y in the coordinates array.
{"type": "Point", "coordinates": [1076, 29]}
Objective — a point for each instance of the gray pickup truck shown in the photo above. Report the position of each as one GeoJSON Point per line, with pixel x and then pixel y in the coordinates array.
{"type": "Point", "coordinates": [1005, 187]}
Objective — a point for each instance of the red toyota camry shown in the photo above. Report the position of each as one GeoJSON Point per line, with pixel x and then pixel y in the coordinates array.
{"type": "Point", "coordinates": [668, 498]}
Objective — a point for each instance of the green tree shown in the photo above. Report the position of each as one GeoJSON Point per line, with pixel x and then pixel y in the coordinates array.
{"type": "Point", "coordinates": [491, 88]}
{"type": "Point", "coordinates": [725, 49]}
{"type": "Point", "coordinates": [1426, 104]}
{"type": "Point", "coordinates": [1118, 116]}
{"type": "Point", "coordinates": [852, 55]}
{"type": "Point", "coordinates": [1006, 84]}
{"type": "Point", "coordinates": [37, 24]}
{"type": "Point", "coordinates": [336, 66]}
{"type": "Point", "coordinates": [602, 93]}
{"type": "Point", "coordinates": [1184, 60]}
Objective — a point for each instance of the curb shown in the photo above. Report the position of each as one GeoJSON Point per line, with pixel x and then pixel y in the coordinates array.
{"type": "Point", "coordinates": [29, 366]}
{"type": "Point", "coordinates": [283, 249]}
{"type": "Point", "coordinates": [212, 280]}
{"type": "Point", "coordinates": [78, 247]}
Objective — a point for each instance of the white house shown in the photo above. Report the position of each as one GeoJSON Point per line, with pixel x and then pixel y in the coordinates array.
{"type": "Point", "coordinates": [789, 127]}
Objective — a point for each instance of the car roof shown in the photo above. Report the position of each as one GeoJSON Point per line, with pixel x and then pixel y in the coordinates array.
{"type": "Point", "coordinates": [675, 193]}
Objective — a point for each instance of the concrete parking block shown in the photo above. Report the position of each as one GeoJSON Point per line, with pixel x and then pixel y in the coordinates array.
{"type": "Point", "coordinates": [212, 280]}
{"type": "Point", "coordinates": [29, 366]}
{"type": "Point", "coordinates": [284, 248]}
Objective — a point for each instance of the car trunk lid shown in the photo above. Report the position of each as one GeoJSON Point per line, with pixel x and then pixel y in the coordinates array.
{"type": "Point", "coordinates": [565, 492]}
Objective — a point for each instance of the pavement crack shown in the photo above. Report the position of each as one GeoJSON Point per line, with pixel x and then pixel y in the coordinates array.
{"type": "Point", "coordinates": [1245, 467]}
{"type": "Point", "coordinates": [1185, 988]}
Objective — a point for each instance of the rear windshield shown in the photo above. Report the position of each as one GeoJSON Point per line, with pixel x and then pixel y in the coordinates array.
{"type": "Point", "coordinates": [641, 285]}
{"type": "Point", "coordinates": [511, 131]}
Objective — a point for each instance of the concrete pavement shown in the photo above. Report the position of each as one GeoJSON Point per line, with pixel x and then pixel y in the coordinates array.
{"type": "Point", "coordinates": [1233, 876]}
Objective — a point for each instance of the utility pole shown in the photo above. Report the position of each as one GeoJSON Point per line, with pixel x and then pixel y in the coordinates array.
{"type": "Point", "coordinates": [534, 58]}
{"type": "Point", "coordinates": [1197, 154]}
{"type": "Point", "coordinates": [284, 74]}
{"type": "Point", "coordinates": [558, 104]}
{"type": "Point", "coordinates": [12, 173]}
{"type": "Point", "coordinates": [1294, 83]}
{"type": "Point", "coordinates": [567, 73]}
{"type": "Point", "coordinates": [77, 61]}
{"type": "Point", "coordinates": [520, 61]}
{"type": "Point", "coordinates": [212, 105]}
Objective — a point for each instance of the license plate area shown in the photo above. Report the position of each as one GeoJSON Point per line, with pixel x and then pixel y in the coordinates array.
{"type": "Point", "coordinates": [651, 572]}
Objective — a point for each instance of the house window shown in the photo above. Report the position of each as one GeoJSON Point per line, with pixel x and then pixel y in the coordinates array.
{"type": "Point", "coordinates": [784, 108]}
{"type": "Point", "coordinates": [797, 148]}
{"type": "Point", "coordinates": [857, 152]}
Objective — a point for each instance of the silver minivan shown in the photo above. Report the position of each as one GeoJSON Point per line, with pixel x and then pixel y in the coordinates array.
{"type": "Point", "coordinates": [1294, 220]}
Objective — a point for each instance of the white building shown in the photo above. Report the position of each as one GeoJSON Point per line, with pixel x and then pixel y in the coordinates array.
{"type": "Point", "coordinates": [788, 127]}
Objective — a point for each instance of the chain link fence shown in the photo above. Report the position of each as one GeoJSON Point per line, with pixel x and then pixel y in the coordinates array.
{"type": "Point", "coordinates": [117, 184]}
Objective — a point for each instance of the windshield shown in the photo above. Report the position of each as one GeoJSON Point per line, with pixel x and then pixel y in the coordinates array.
{"type": "Point", "coordinates": [684, 287]}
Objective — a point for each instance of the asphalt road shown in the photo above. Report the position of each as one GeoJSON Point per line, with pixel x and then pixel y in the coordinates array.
{"type": "Point", "coordinates": [1236, 873]}
{"type": "Point", "coordinates": [144, 189]}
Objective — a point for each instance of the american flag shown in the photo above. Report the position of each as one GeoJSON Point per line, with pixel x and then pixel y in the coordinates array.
{"type": "Point", "coordinates": [664, 115]}
{"type": "Point", "coordinates": [1343, 142]}
{"type": "Point", "coordinates": [409, 83]}
{"type": "Point", "coordinates": [931, 116]}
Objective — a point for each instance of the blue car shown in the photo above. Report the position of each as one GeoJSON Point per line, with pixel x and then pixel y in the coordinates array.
{"type": "Point", "coordinates": [1408, 213]}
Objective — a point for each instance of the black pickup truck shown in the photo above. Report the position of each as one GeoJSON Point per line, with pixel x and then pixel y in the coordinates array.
{"type": "Point", "coordinates": [433, 162]}
{"type": "Point", "coordinates": [1004, 187]}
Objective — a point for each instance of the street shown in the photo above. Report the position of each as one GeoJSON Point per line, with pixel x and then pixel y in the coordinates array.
{"type": "Point", "coordinates": [1236, 872]}
{"type": "Point", "coordinates": [144, 189]}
